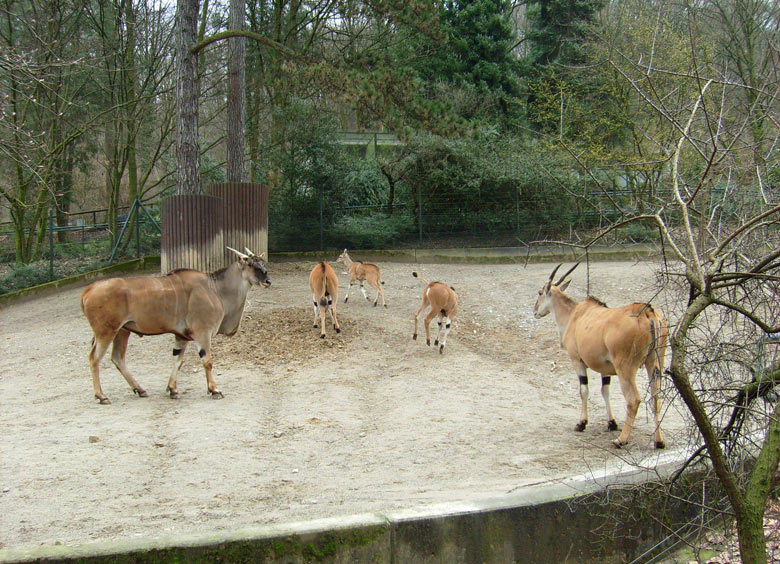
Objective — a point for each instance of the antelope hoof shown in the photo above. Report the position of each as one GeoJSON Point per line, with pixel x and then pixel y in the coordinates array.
{"type": "Point", "coordinates": [617, 443]}
{"type": "Point", "coordinates": [612, 425]}
{"type": "Point", "coordinates": [216, 394]}
{"type": "Point", "coordinates": [414, 337]}
{"type": "Point", "coordinates": [441, 349]}
{"type": "Point", "coordinates": [140, 393]}
{"type": "Point", "coordinates": [316, 326]}
{"type": "Point", "coordinates": [103, 400]}
{"type": "Point", "coordinates": [436, 342]}
{"type": "Point", "coordinates": [374, 304]}
{"type": "Point", "coordinates": [428, 342]}
{"type": "Point", "coordinates": [322, 335]}
{"type": "Point", "coordinates": [338, 329]}
{"type": "Point", "coordinates": [345, 299]}
{"type": "Point", "coordinates": [580, 426]}
{"type": "Point", "coordinates": [384, 305]}
{"type": "Point", "coordinates": [660, 444]}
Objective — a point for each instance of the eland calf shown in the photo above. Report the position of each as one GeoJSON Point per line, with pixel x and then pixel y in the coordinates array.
{"type": "Point", "coordinates": [191, 305]}
{"type": "Point", "coordinates": [360, 271]}
{"type": "Point", "coordinates": [609, 341]}
{"type": "Point", "coordinates": [443, 302]}
{"type": "Point", "coordinates": [325, 289]}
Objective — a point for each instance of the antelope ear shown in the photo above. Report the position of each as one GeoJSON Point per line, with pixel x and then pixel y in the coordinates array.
{"type": "Point", "coordinates": [563, 286]}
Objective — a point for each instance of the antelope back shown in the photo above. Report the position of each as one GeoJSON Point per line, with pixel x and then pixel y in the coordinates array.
{"type": "Point", "coordinates": [323, 279]}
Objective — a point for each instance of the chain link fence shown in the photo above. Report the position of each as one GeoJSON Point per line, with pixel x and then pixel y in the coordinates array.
{"type": "Point", "coordinates": [82, 240]}
{"type": "Point", "coordinates": [79, 242]}
{"type": "Point", "coordinates": [499, 219]}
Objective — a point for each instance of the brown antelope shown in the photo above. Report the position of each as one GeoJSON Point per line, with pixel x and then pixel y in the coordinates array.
{"type": "Point", "coordinates": [358, 272]}
{"type": "Point", "coordinates": [192, 305]}
{"type": "Point", "coordinates": [609, 341]}
{"type": "Point", "coordinates": [325, 288]}
{"type": "Point", "coordinates": [444, 303]}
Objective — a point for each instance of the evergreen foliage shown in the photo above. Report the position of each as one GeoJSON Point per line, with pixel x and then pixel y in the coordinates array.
{"type": "Point", "coordinates": [557, 29]}
{"type": "Point", "coordinates": [479, 47]}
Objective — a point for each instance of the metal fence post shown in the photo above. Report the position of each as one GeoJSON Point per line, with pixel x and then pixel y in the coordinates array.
{"type": "Point", "coordinates": [51, 243]}
{"type": "Point", "coordinates": [419, 212]}
{"type": "Point", "coordinates": [137, 227]}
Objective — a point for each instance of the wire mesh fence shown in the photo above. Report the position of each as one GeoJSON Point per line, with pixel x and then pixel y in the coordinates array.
{"type": "Point", "coordinates": [498, 219]}
{"type": "Point", "coordinates": [86, 240]}
{"type": "Point", "coordinates": [78, 242]}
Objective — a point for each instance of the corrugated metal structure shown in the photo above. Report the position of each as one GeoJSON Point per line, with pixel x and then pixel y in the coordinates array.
{"type": "Point", "coordinates": [246, 216]}
{"type": "Point", "coordinates": [192, 233]}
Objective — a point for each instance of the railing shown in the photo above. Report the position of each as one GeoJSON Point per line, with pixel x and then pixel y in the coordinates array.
{"type": "Point", "coordinates": [82, 227]}
{"type": "Point", "coordinates": [366, 137]}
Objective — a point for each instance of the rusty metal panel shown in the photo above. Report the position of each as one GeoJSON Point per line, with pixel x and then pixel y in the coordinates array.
{"type": "Point", "coordinates": [246, 215]}
{"type": "Point", "coordinates": [192, 233]}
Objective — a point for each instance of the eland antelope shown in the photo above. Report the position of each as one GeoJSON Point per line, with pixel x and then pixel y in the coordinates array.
{"type": "Point", "coordinates": [191, 305]}
{"type": "Point", "coordinates": [609, 341]}
{"type": "Point", "coordinates": [360, 271]}
{"type": "Point", "coordinates": [324, 286]}
{"type": "Point", "coordinates": [443, 302]}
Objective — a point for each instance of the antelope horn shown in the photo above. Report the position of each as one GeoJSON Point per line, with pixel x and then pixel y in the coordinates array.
{"type": "Point", "coordinates": [250, 253]}
{"type": "Point", "coordinates": [562, 278]}
{"type": "Point", "coordinates": [239, 253]}
{"type": "Point", "coordinates": [552, 274]}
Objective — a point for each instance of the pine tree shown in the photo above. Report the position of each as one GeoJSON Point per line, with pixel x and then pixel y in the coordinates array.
{"type": "Point", "coordinates": [479, 51]}
{"type": "Point", "coordinates": [557, 28]}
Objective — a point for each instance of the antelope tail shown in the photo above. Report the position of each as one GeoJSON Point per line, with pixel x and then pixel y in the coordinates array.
{"type": "Point", "coordinates": [323, 300]}
{"type": "Point", "coordinates": [655, 332]}
{"type": "Point", "coordinates": [420, 276]}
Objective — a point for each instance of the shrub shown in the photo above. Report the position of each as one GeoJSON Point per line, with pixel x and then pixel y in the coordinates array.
{"type": "Point", "coordinates": [370, 231]}
{"type": "Point", "coordinates": [23, 276]}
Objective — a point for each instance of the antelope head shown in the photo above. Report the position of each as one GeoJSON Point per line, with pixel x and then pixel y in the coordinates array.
{"type": "Point", "coordinates": [543, 304]}
{"type": "Point", "coordinates": [254, 267]}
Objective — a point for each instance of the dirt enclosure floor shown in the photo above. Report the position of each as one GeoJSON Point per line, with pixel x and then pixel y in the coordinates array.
{"type": "Point", "coordinates": [364, 421]}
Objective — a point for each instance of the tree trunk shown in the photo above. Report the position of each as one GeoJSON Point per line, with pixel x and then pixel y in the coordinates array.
{"type": "Point", "coordinates": [131, 126]}
{"type": "Point", "coordinates": [236, 106]}
{"type": "Point", "coordinates": [391, 192]}
{"type": "Point", "coordinates": [750, 523]}
{"type": "Point", "coordinates": [750, 530]}
{"type": "Point", "coordinates": [64, 192]}
{"type": "Point", "coordinates": [748, 506]}
{"type": "Point", "coordinates": [187, 148]}
{"type": "Point", "coordinates": [111, 185]}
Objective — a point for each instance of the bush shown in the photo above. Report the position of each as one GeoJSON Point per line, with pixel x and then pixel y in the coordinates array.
{"type": "Point", "coordinates": [23, 276]}
{"type": "Point", "coordinates": [636, 232]}
{"type": "Point", "coordinates": [370, 231]}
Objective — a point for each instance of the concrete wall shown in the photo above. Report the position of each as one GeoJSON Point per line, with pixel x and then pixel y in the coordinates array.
{"type": "Point", "coordinates": [139, 265]}
{"type": "Point", "coordinates": [580, 520]}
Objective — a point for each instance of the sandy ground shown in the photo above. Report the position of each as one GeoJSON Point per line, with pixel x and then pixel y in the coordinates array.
{"type": "Point", "coordinates": [364, 421]}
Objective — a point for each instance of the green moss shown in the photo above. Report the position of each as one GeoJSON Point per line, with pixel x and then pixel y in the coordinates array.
{"type": "Point", "coordinates": [141, 264]}
{"type": "Point", "coordinates": [325, 547]}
